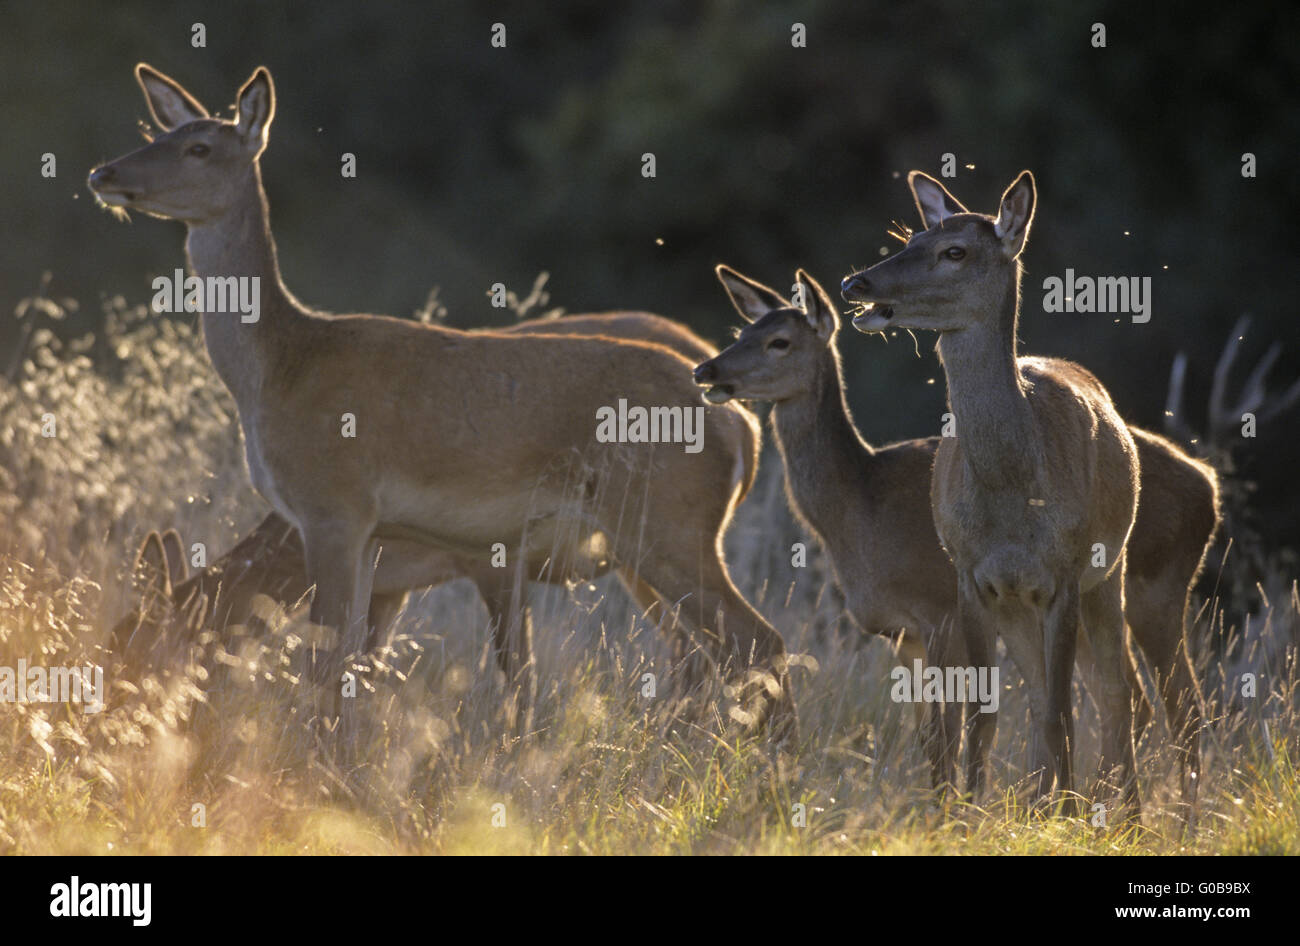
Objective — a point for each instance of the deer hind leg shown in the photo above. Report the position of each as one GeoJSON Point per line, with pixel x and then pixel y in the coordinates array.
{"type": "Point", "coordinates": [503, 593]}
{"type": "Point", "coordinates": [384, 609]}
{"type": "Point", "coordinates": [735, 635]}
{"type": "Point", "coordinates": [667, 524]}
{"type": "Point", "coordinates": [1142, 709]}
{"type": "Point", "coordinates": [909, 648]}
{"type": "Point", "coordinates": [1103, 622]}
{"type": "Point", "coordinates": [1183, 703]}
{"type": "Point", "coordinates": [1165, 644]}
{"type": "Point", "coordinates": [686, 653]}
{"type": "Point", "coordinates": [936, 725]}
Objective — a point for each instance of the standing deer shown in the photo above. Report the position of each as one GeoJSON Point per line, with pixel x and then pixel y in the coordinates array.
{"type": "Point", "coordinates": [869, 506]}
{"type": "Point", "coordinates": [462, 440]}
{"type": "Point", "coordinates": [1036, 495]}
{"type": "Point", "coordinates": [270, 560]}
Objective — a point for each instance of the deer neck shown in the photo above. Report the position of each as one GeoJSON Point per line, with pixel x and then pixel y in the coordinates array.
{"type": "Point", "coordinates": [827, 463]}
{"type": "Point", "coordinates": [987, 395]}
{"type": "Point", "coordinates": [239, 243]}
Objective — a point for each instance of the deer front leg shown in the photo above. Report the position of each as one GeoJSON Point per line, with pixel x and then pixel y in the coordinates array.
{"type": "Point", "coordinates": [338, 566]}
{"type": "Point", "coordinates": [1024, 630]}
{"type": "Point", "coordinates": [1060, 637]}
{"type": "Point", "coordinates": [1103, 611]}
{"type": "Point", "coordinates": [977, 633]}
{"type": "Point", "coordinates": [944, 723]}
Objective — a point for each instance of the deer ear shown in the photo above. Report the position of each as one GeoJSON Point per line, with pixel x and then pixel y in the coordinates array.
{"type": "Point", "coordinates": [1016, 214]}
{"type": "Point", "coordinates": [151, 565]}
{"type": "Point", "coordinates": [752, 299]}
{"type": "Point", "coordinates": [169, 104]}
{"type": "Point", "coordinates": [255, 109]}
{"type": "Point", "coordinates": [932, 199]}
{"type": "Point", "coordinates": [175, 552]}
{"type": "Point", "coordinates": [818, 308]}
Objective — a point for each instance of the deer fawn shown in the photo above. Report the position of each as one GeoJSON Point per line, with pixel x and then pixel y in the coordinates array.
{"type": "Point", "coordinates": [1035, 497]}
{"type": "Point", "coordinates": [868, 506]}
{"type": "Point", "coordinates": [870, 509]}
{"type": "Point", "coordinates": [270, 559]}
{"type": "Point", "coordinates": [461, 441]}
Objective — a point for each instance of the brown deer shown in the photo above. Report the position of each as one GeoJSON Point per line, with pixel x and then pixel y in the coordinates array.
{"type": "Point", "coordinates": [459, 441]}
{"type": "Point", "coordinates": [270, 560]}
{"type": "Point", "coordinates": [1035, 496]}
{"type": "Point", "coordinates": [869, 506]}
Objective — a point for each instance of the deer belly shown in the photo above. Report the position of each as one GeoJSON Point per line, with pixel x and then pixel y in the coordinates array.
{"type": "Point", "coordinates": [402, 566]}
{"type": "Point", "coordinates": [467, 518]}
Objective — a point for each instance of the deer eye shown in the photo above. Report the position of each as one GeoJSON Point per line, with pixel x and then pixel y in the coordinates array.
{"type": "Point", "coordinates": [780, 344]}
{"type": "Point", "coordinates": [954, 253]}
{"type": "Point", "coordinates": [198, 150]}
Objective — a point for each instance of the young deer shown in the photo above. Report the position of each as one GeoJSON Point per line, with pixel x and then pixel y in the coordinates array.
{"type": "Point", "coordinates": [270, 559]}
{"type": "Point", "coordinates": [1035, 497]}
{"type": "Point", "coordinates": [870, 509]}
{"type": "Point", "coordinates": [460, 440]}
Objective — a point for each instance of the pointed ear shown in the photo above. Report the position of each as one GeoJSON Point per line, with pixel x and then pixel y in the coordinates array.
{"type": "Point", "coordinates": [752, 299]}
{"type": "Point", "coordinates": [151, 565]}
{"type": "Point", "coordinates": [817, 306]}
{"type": "Point", "coordinates": [175, 553]}
{"type": "Point", "coordinates": [255, 109]}
{"type": "Point", "coordinates": [169, 104]}
{"type": "Point", "coordinates": [1016, 214]}
{"type": "Point", "coordinates": [932, 199]}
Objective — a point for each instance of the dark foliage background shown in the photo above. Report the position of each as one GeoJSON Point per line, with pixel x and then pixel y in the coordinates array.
{"type": "Point", "coordinates": [478, 165]}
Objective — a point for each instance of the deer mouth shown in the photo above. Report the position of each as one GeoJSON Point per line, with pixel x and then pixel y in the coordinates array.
{"type": "Point", "coordinates": [116, 198]}
{"type": "Point", "coordinates": [720, 393]}
{"type": "Point", "coordinates": [108, 190]}
{"type": "Point", "coordinates": [872, 317]}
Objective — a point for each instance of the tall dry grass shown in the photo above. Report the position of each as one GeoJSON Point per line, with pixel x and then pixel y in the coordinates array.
{"type": "Point", "coordinates": [214, 752]}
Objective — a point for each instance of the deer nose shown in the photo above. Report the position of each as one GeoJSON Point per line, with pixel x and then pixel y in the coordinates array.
{"type": "Point", "coordinates": [102, 175]}
{"type": "Point", "coordinates": [856, 285]}
{"type": "Point", "coordinates": [705, 372]}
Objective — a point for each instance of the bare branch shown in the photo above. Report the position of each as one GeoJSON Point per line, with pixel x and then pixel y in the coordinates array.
{"type": "Point", "coordinates": [1175, 423]}
{"type": "Point", "coordinates": [1220, 417]}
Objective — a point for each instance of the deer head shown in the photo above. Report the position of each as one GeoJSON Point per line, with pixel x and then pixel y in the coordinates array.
{"type": "Point", "coordinates": [962, 268]}
{"type": "Point", "coordinates": [778, 354]}
{"type": "Point", "coordinates": [193, 171]}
